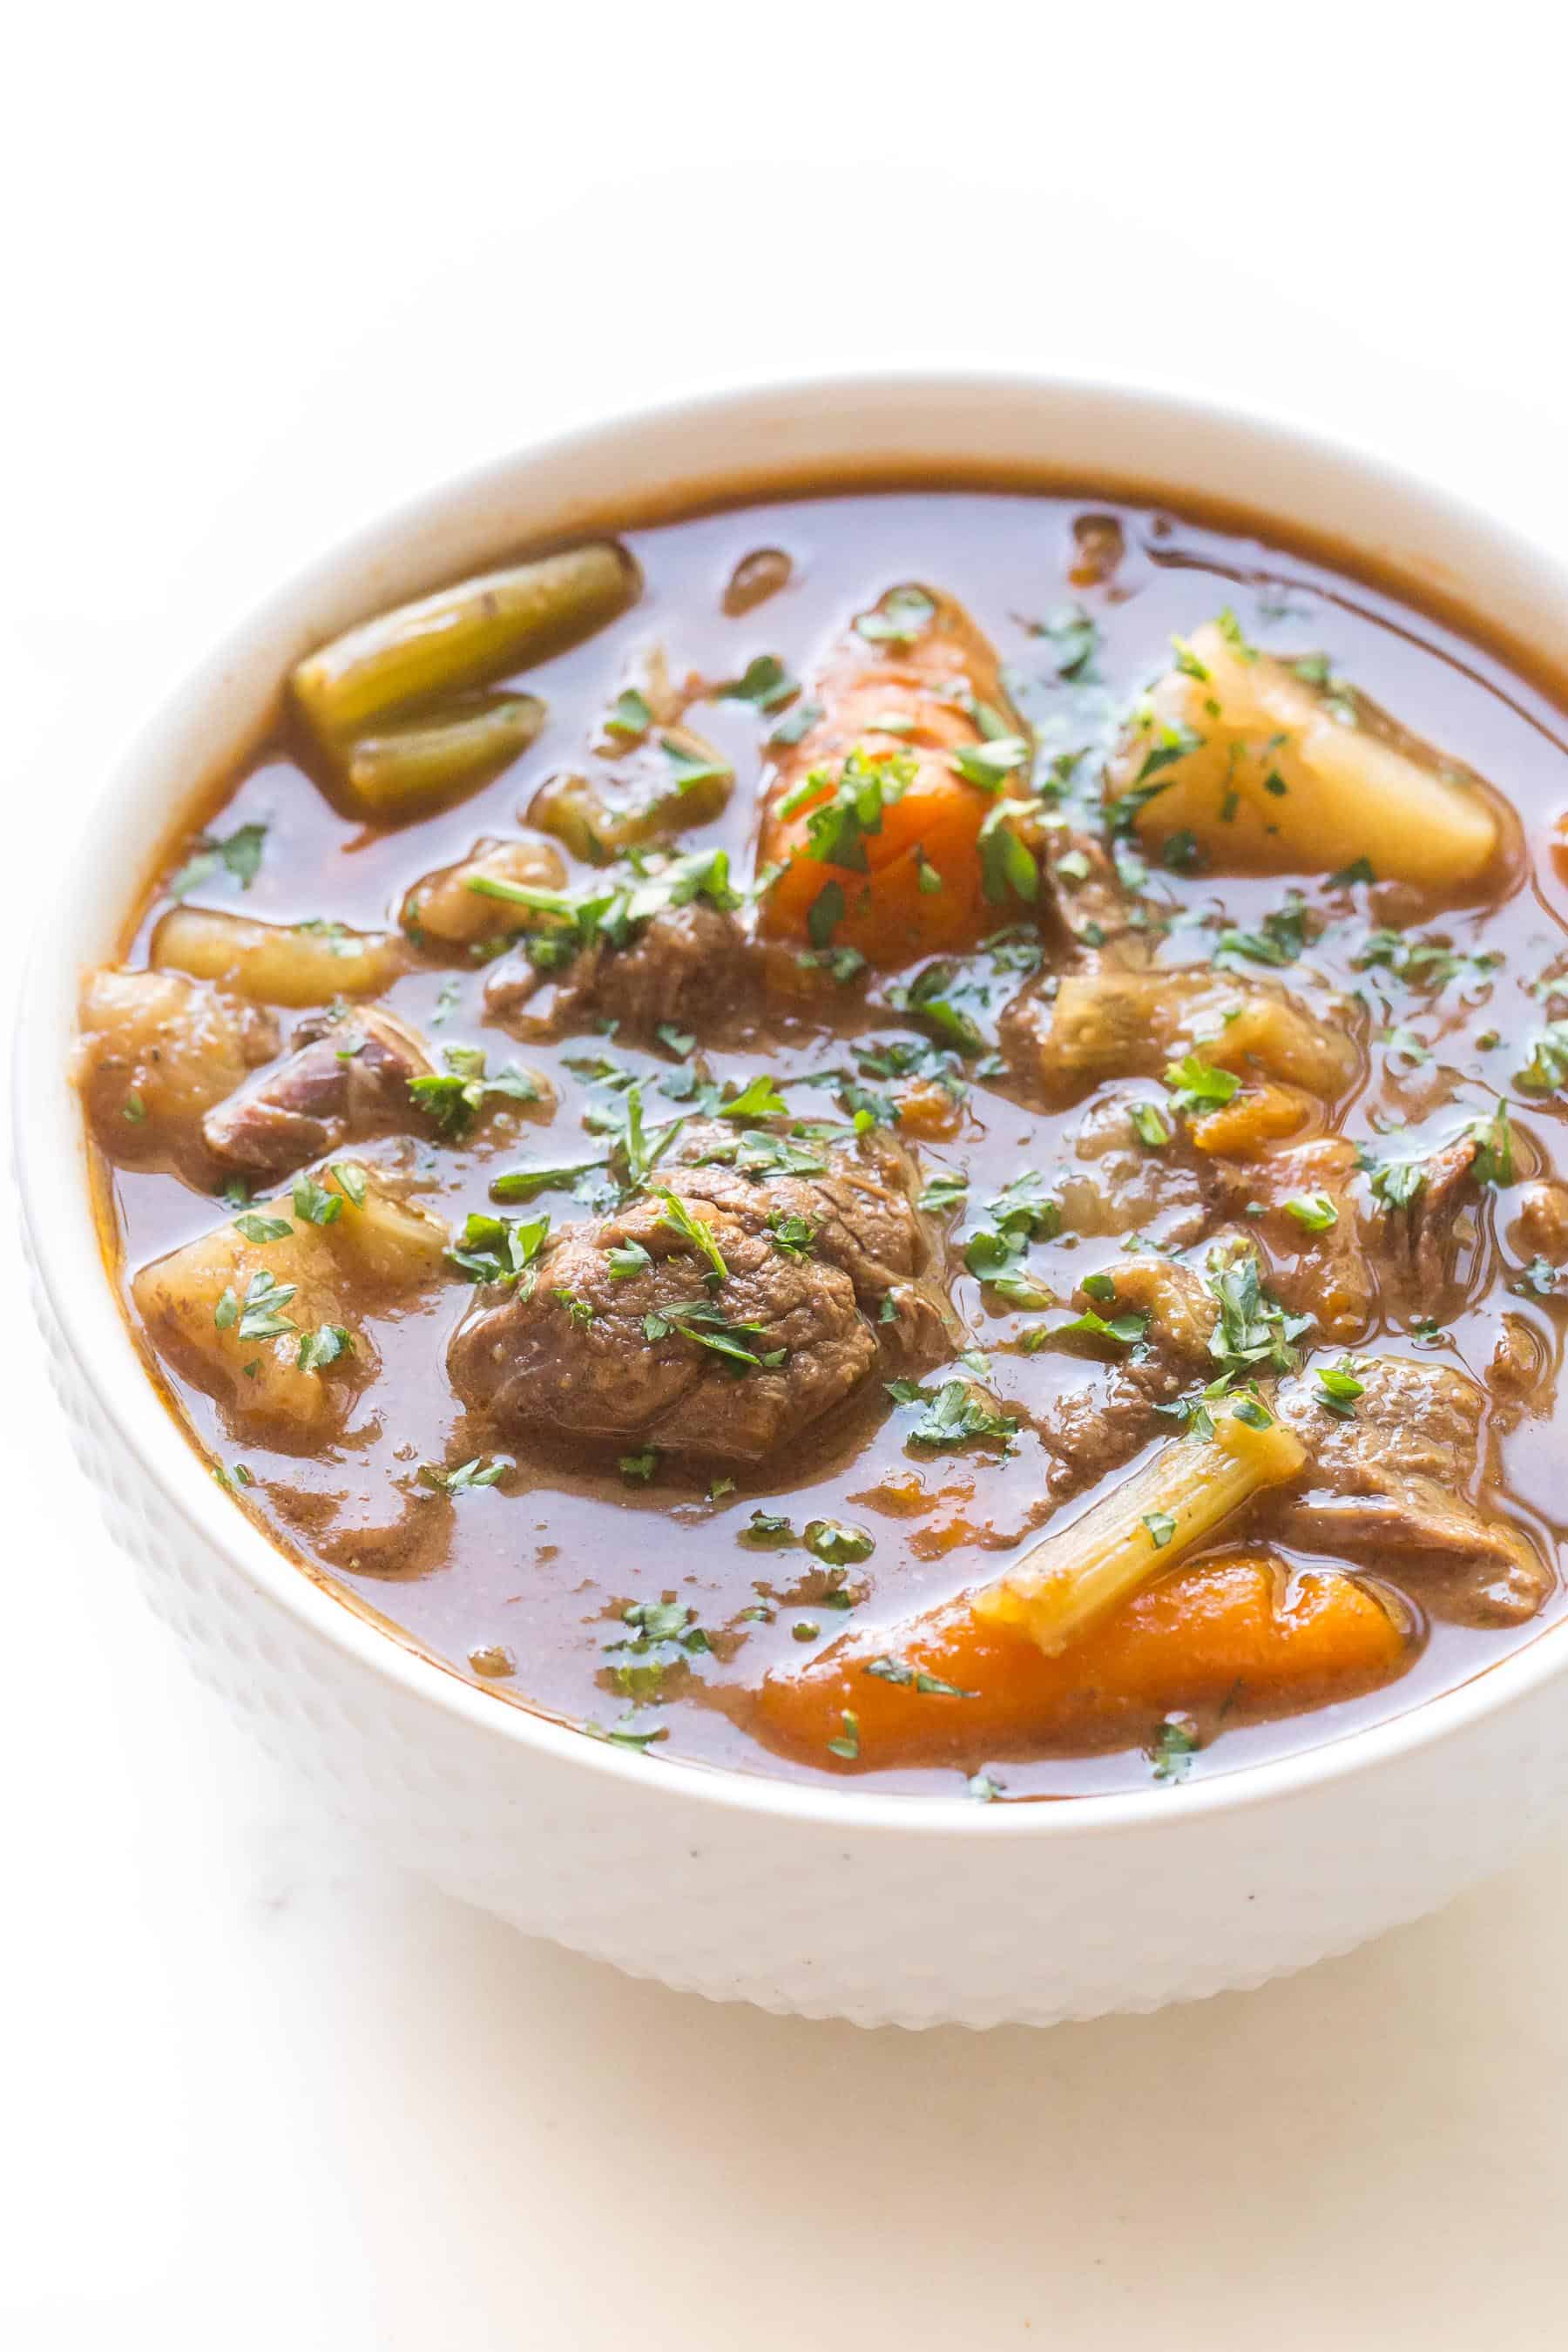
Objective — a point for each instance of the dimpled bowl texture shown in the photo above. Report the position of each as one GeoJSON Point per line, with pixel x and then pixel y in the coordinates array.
{"type": "Point", "coordinates": [828, 1902]}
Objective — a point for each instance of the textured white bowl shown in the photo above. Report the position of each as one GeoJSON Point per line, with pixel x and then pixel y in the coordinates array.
{"type": "Point", "coordinates": [825, 1901]}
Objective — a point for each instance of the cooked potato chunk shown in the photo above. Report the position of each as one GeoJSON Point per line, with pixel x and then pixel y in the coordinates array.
{"type": "Point", "coordinates": [1268, 770]}
{"type": "Point", "coordinates": [156, 1051]}
{"type": "Point", "coordinates": [278, 963]}
{"type": "Point", "coordinates": [446, 909]}
{"type": "Point", "coordinates": [266, 1312]}
{"type": "Point", "coordinates": [1130, 1023]}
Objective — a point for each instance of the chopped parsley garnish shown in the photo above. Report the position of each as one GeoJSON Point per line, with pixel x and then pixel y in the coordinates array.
{"type": "Point", "coordinates": [903, 615]}
{"type": "Point", "coordinates": [638, 1468]}
{"type": "Point", "coordinates": [313, 1204]}
{"type": "Point", "coordinates": [693, 1230]}
{"type": "Point", "coordinates": [952, 1415]}
{"type": "Point", "coordinates": [630, 715]}
{"type": "Point", "coordinates": [1149, 1125]}
{"type": "Point", "coordinates": [848, 1744]}
{"type": "Point", "coordinates": [1175, 1744]}
{"type": "Point", "coordinates": [1162, 1526]}
{"type": "Point", "coordinates": [1338, 1389]}
{"type": "Point", "coordinates": [1313, 1211]}
{"type": "Point", "coordinates": [499, 1249]}
{"type": "Point", "coordinates": [1007, 867]}
{"type": "Point", "coordinates": [1253, 1331]}
{"type": "Point", "coordinates": [837, 1543]}
{"type": "Point", "coordinates": [259, 1316]}
{"type": "Point", "coordinates": [1074, 639]}
{"type": "Point", "coordinates": [263, 1230]}
{"type": "Point", "coordinates": [990, 763]}
{"type": "Point", "coordinates": [239, 856]}
{"type": "Point", "coordinates": [791, 1236]}
{"type": "Point", "coordinates": [948, 1189]}
{"type": "Point", "coordinates": [455, 1098]}
{"type": "Point", "coordinates": [1545, 1071]}
{"type": "Point", "coordinates": [467, 1477]}
{"type": "Point", "coordinates": [1197, 1086]}
{"type": "Point", "coordinates": [764, 682]}
{"type": "Point", "coordinates": [322, 1347]}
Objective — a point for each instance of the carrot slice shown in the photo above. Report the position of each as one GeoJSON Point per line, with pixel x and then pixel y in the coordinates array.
{"type": "Point", "coordinates": [1232, 1624]}
{"type": "Point", "coordinates": [914, 882]}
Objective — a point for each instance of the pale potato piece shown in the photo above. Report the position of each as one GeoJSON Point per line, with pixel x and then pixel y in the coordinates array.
{"type": "Point", "coordinates": [156, 1050]}
{"type": "Point", "coordinates": [368, 1258]}
{"type": "Point", "coordinates": [442, 906]}
{"type": "Point", "coordinates": [278, 963]}
{"type": "Point", "coordinates": [1347, 793]}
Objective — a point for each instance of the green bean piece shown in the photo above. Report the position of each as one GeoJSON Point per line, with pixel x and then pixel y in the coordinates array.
{"type": "Point", "coordinates": [414, 765]}
{"type": "Point", "coordinates": [464, 637]}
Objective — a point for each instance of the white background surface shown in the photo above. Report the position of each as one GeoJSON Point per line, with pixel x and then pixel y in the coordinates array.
{"type": "Point", "coordinates": [267, 271]}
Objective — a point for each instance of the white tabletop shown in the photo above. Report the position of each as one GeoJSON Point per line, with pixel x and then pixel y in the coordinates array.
{"type": "Point", "coordinates": [268, 273]}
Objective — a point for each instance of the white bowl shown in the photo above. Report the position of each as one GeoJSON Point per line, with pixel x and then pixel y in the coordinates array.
{"type": "Point", "coordinates": [827, 1901]}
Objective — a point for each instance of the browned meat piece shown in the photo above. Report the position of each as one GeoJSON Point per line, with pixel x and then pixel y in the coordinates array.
{"type": "Point", "coordinates": [1092, 1025]}
{"type": "Point", "coordinates": [576, 1354]}
{"type": "Point", "coordinates": [1096, 1424]}
{"type": "Point", "coordinates": [1421, 1237]}
{"type": "Point", "coordinates": [1322, 1270]}
{"type": "Point", "coordinates": [1404, 1476]}
{"type": "Point", "coordinates": [692, 965]}
{"type": "Point", "coordinates": [156, 1050]}
{"type": "Point", "coordinates": [859, 1206]}
{"type": "Point", "coordinates": [346, 1079]}
{"type": "Point", "coordinates": [1540, 1223]}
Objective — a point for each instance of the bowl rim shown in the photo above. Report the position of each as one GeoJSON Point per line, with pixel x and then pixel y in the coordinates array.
{"type": "Point", "coordinates": [48, 1133]}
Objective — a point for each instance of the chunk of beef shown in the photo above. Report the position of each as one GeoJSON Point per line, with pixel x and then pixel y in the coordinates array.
{"type": "Point", "coordinates": [630, 1356]}
{"type": "Point", "coordinates": [345, 1080]}
{"type": "Point", "coordinates": [1420, 1239]}
{"type": "Point", "coordinates": [1091, 1025]}
{"type": "Point", "coordinates": [690, 965]}
{"type": "Point", "coordinates": [1403, 1476]}
{"type": "Point", "coordinates": [1093, 1426]}
{"type": "Point", "coordinates": [858, 1198]}
{"type": "Point", "coordinates": [1322, 1270]}
{"type": "Point", "coordinates": [155, 1051]}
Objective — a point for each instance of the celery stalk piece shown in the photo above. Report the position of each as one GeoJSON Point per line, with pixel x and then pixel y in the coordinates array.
{"type": "Point", "coordinates": [1070, 1582]}
{"type": "Point", "coordinates": [464, 637]}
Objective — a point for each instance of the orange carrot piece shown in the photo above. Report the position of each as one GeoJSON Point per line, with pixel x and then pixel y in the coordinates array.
{"type": "Point", "coordinates": [1232, 1624]}
{"type": "Point", "coordinates": [921, 892]}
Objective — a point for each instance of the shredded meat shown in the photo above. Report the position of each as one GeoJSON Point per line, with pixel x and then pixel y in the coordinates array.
{"type": "Point", "coordinates": [573, 1352]}
{"type": "Point", "coordinates": [692, 965]}
{"type": "Point", "coordinates": [1421, 1239]}
{"type": "Point", "coordinates": [1403, 1475]}
{"type": "Point", "coordinates": [345, 1080]}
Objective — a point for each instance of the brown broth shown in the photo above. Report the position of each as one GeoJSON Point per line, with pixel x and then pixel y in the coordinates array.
{"type": "Point", "coordinates": [544, 1568]}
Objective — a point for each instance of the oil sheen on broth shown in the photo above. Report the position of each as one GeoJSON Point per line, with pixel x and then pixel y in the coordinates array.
{"type": "Point", "coordinates": [1180, 1110]}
